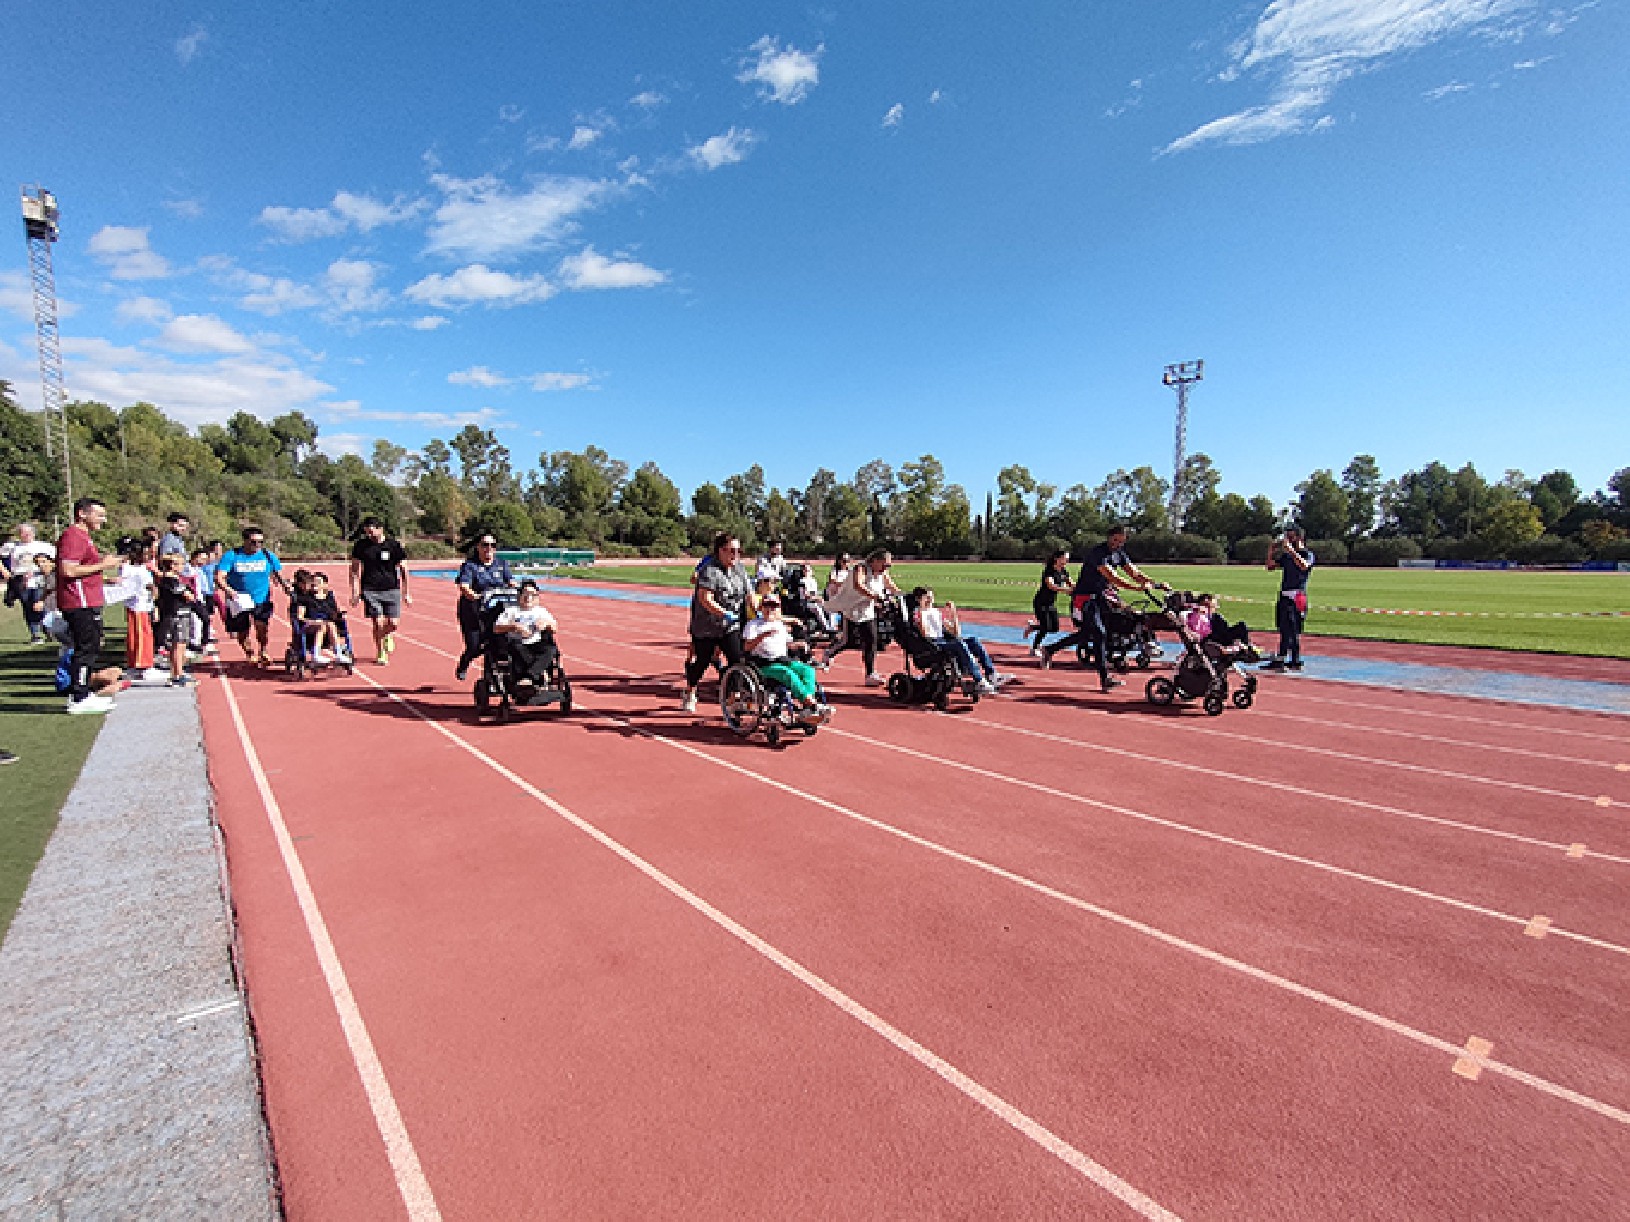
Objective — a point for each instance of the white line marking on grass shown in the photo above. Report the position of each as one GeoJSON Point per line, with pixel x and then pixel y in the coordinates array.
{"type": "Point", "coordinates": [404, 1159]}
{"type": "Point", "coordinates": [1533, 1081]}
{"type": "Point", "coordinates": [1279, 786]}
{"type": "Point", "coordinates": [943, 1069]}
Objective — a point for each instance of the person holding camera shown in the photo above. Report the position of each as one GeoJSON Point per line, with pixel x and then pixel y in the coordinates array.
{"type": "Point", "coordinates": [1290, 555]}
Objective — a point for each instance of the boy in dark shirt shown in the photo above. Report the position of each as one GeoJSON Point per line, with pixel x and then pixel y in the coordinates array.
{"type": "Point", "coordinates": [321, 619]}
{"type": "Point", "coordinates": [177, 603]}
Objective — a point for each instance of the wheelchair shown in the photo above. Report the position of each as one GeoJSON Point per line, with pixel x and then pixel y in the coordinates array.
{"type": "Point", "coordinates": [499, 690]}
{"type": "Point", "coordinates": [751, 705]}
{"type": "Point", "coordinates": [931, 674]}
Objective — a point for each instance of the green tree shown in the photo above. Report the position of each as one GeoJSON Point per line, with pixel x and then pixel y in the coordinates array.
{"type": "Point", "coordinates": [1361, 481]}
{"type": "Point", "coordinates": [812, 515]}
{"type": "Point", "coordinates": [1136, 497]}
{"type": "Point", "coordinates": [1510, 524]}
{"type": "Point", "coordinates": [484, 465]}
{"type": "Point", "coordinates": [387, 459]}
{"type": "Point", "coordinates": [506, 521]}
{"type": "Point", "coordinates": [1078, 515]}
{"type": "Point", "coordinates": [30, 484]}
{"type": "Point", "coordinates": [1197, 480]}
{"type": "Point", "coordinates": [1321, 506]}
{"type": "Point", "coordinates": [442, 504]}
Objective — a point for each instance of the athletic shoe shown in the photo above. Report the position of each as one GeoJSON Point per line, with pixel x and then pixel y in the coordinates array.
{"type": "Point", "coordinates": [183, 681]}
{"type": "Point", "coordinates": [688, 703]}
{"type": "Point", "coordinates": [875, 680]}
{"type": "Point", "coordinates": [1047, 659]}
{"type": "Point", "coordinates": [1000, 680]}
{"type": "Point", "coordinates": [154, 674]}
{"type": "Point", "coordinates": [985, 687]}
{"type": "Point", "coordinates": [1296, 665]}
{"type": "Point", "coordinates": [384, 658]}
{"type": "Point", "coordinates": [211, 652]}
{"type": "Point", "coordinates": [91, 704]}
{"type": "Point", "coordinates": [319, 657]}
{"type": "Point", "coordinates": [1035, 649]}
{"type": "Point", "coordinates": [825, 713]}
{"type": "Point", "coordinates": [1110, 684]}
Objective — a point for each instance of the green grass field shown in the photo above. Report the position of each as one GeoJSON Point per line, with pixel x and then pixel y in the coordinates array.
{"type": "Point", "coordinates": [1516, 603]}
{"type": "Point", "coordinates": [52, 747]}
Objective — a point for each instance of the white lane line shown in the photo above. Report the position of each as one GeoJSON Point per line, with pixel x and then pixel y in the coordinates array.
{"type": "Point", "coordinates": [1533, 1081]}
{"type": "Point", "coordinates": [1617, 739]}
{"type": "Point", "coordinates": [943, 1069]}
{"type": "Point", "coordinates": [404, 1159]}
{"type": "Point", "coordinates": [1279, 786]}
{"type": "Point", "coordinates": [1388, 731]}
{"type": "Point", "coordinates": [218, 1007]}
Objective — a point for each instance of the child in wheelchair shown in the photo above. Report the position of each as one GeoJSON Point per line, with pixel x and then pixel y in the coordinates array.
{"type": "Point", "coordinates": [528, 630]}
{"type": "Point", "coordinates": [770, 646]}
{"type": "Point", "coordinates": [321, 633]}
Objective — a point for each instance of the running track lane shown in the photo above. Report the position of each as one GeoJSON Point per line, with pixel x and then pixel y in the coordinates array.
{"type": "Point", "coordinates": [806, 917]}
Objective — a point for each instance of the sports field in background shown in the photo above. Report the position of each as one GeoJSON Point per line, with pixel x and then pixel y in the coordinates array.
{"type": "Point", "coordinates": [1541, 611]}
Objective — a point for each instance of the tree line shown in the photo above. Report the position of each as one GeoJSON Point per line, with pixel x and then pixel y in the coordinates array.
{"type": "Point", "coordinates": [447, 492]}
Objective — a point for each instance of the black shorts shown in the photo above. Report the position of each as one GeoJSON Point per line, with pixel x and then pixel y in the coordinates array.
{"type": "Point", "coordinates": [237, 622]}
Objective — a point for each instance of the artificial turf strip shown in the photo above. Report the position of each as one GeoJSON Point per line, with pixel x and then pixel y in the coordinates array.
{"type": "Point", "coordinates": [1250, 591]}
{"type": "Point", "coordinates": [51, 745]}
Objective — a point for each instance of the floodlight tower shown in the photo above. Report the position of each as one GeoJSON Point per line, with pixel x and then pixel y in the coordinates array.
{"type": "Point", "coordinates": [1181, 376]}
{"type": "Point", "coordinates": [40, 224]}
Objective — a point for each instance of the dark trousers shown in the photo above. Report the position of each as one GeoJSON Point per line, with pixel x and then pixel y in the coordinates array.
{"type": "Point", "coordinates": [469, 627]}
{"type": "Point", "coordinates": [1091, 632]}
{"type": "Point", "coordinates": [1046, 614]}
{"type": "Point", "coordinates": [85, 638]}
{"type": "Point", "coordinates": [865, 636]}
{"type": "Point", "coordinates": [534, 661]}
{"type": "Point", "coordinates": [704, 647]}
{"type": "Point", "coordinates": [1289, 621]}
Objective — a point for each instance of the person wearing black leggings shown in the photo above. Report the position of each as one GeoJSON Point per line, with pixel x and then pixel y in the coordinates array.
{"type": "Point", "coordinates": [866, 589]}
{"type": "Point", "coordinates": [1055, 580]}
{"type": "Point", "coordinates": [717, 607]}
{"type": "Point", "coordinates": [1292, 558]}
{"type": "Point", "coordinates": [483, 570]}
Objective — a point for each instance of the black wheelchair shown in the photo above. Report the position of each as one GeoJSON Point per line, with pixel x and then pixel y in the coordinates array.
{"type": "Point", "coordinates": [503, 686]}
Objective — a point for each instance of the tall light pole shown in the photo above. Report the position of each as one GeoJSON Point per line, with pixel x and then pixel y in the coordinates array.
{"type": "Point", "coordinates": [40, 225]}
{"type": "Point", "coordinates": [1181, 376]}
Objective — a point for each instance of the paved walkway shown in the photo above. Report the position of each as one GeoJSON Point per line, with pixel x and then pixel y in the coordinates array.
{"type": "Point", "coordinates": [129, 1083]}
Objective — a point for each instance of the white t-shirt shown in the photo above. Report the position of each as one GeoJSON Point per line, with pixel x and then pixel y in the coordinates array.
{"type": "Point", "coordinates": [864, 610]}
{"type": "Point", "coordinates": [19, 557]}
{"type": "Point", "coordinates": [933, 623]}
{"type": "Point", "coordinates": [772, 645]}
{"type": "Point", "coordinates": [136, 588]}
{"type": "Point", "coordinates": [533, 619]}
{"type": "Point", "coordinates": [774, 567]}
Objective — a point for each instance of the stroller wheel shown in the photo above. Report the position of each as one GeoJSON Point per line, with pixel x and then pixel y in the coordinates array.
{"type": "Point", "coordinates": [900, 687]}
{"type": "Point", "coordinates": [1243, 699]}
{"type": "Point", "coordinates": [505, 708]}
{"type": "Point", "coordinates": [1214, 704]}
{"type": "Point", "coordinates": [1160, 690]}
{"type": "Point", "coordinates": [565, 694]}
{"type": "Point", "coordinates": [483, 695]}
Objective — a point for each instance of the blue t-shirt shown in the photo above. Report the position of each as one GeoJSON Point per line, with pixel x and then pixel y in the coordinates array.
{"type": "Point", "coordinates": [250, 574]}
{"type": "Point", "coordinates": [1091, 580]}
{"type": "Point", "coordinates": [1294, 576]}
{"type": "Point", "coordinates": [483, 577]}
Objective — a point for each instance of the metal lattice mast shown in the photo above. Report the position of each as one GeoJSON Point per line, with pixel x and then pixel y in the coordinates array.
{"type": "Point", "coordinates": [40, 224]}
{"type": "Point", "coordinates": [1181, 377]}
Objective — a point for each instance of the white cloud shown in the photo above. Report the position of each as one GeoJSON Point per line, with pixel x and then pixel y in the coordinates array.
{"type": "Point", "coordinates": [722, 150]}
{"type": "Point", "coordinates": [486, 416]}
{"type": "Point", "coordinates": [193, 392]}
{"type": "Point", "coordinates": [203, 334]}
{"type": "Point", "coordinates": [352, 286]}
{"type": "Point", "coordinates": [338, 445]}
{"type": "Point", "coordinates": [479, 375]}
{"type": "Point", "coordinates": [479, 284]}
{"type": "Point", "coordinates": [428, 322]}
{"type": "Point", "coordinates": [784, 76]}
{"type": "Point", "coordinates": [1308, 47]}
{"type": "Point", "coordinates": [510, 113]}
{"type": "Point", "coordinates": [480, 218]}
{"type": "Point", "coordinates": [648, 99]}
{"type": "Point", "coordinates": [148, 310]}
{"type": "Point", "coordinates": [1443, 91]}
{"type": "Point", "coordinates": [188, 46]}
{"type": "Point", "coordinates": [275, 295]}
{"type": "Point", "coordinates": [1528, 65]}
{"type": "Point", "coordinates": [935, 98]}
{"type": "Point", "coordinates": [16, 297]}
{"type": "Point", "coordinates": [590, 270]}
{"type": "Point", "coordinates": [583, 136]}
{"type": "Point", "coordinates": [896, 114]}
{"type": "Point", "coordinates": [188, 209]}
{"type": "Point", "coordinates": [560, 381]}
{"type": "Point", "coordinates": [348, 211]}
{"type": "Point", "coordinates": [124, 251]}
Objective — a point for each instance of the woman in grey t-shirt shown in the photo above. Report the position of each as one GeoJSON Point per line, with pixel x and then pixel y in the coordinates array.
{"type": "Point", "coordinates": [717, 606]}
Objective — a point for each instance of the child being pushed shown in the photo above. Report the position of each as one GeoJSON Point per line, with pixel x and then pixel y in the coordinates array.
{"type": "Point", "coordinates": [769, 639]}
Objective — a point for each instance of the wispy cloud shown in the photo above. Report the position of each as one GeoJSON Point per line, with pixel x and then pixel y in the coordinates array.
{"type": "Point", "coordinates": [187, 209]}
{"type": "Point", "coordinates": [479, 284]}
{"type": "Point", "coordinates": [583, 136]}
{"type": "Point", "coordinates": [124, 251]}
{"type": "Point", "coordinates": [935, 98]}
{"type": "Point", "coordinates": [148, 310]}
{"type": "Point", "coordinates": [1443, 91]}
{"type": "Point", "coordinates": [648, 99]}
{"type": "Point", "coordinates": [478, 375]}
{"type": "Point", "coordinates": [510, 113]}
{"type": "Point", "coordinates": [896, 115]}
{"type": "Point", "coordinates": [589, 269]}
{"type": "Point", "coordinates": [348, 286]}
{"type": "Point", "coordinates": [203, 334]}
{"type": "Point", "coordinates": [784, 75]}
{"type": "Point", "coordinates": [488, 416]}
{"type": "Point", "coordinates": [188, 46]}
{"type": "Point", "coordinates": [348, 212]}
{"type": "Point", "coordinates": [481, 218]}
{"type": "Point", "coordinates": [353, 286]}
{"type": "Point", "coordinates": [722, 150]}
{"type": "Point", "coordinates": [1306, 48]}
{"type": "Point", "coordinates": [428, 322]}
{"type": "Point", "coordinates": [545, 382]}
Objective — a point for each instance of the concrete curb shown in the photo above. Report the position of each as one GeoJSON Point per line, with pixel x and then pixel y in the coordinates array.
{"type": "Point", "coordinates": [131, 1087]}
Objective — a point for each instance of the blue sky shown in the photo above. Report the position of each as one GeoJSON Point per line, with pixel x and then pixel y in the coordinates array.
{"type": "Point", "coordinates": [812, 236]}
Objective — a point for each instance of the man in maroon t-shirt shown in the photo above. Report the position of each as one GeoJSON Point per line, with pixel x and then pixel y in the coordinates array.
{"type": "Point", "coordinates": [79, 597]}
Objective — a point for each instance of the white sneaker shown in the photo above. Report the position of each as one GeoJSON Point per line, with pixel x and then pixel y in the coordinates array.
{"type": "Point", "coordinates": [91, 703]}
{"type": "Point", "coordinates": [320, 657]}
{"type": "Point", "coordinates": [875, 680]}
{"type": "Point", "coordinates": [1000, 680]}
{"type": "Point", "coordinates": [986, 687]}
{"type": "Point", "coordinates": [688, 704]}
{"type": "Point", "coordinates": [154, 674]}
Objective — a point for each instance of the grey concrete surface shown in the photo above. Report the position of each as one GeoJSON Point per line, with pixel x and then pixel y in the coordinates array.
{"type": "Point", "coordinates": [127, 1080]}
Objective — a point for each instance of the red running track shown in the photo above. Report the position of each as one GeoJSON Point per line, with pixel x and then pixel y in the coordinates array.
{"type": "Point", "coordinates": [1058, 956]}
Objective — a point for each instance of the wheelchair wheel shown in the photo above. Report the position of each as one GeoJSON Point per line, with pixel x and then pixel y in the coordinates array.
{"type": "Point", "coordinates": [1214, 704]}
{"type": "Point", "coordinates": [565, 694]}
{"type": "Point", "coordinates": [1243, 699]}
{"type": "Point", "coordinates": [900, 687]}
{"type": "Point", "coordinates": [505, 709]}
{"type": "Point", "coordinates": [1160, 690]}
{"type": "Point", "coordinates": [741, 700]}
{"type": "Point", "coordinates": [772, 734]}
{"type": "Point", "coordinates": [483, 695]}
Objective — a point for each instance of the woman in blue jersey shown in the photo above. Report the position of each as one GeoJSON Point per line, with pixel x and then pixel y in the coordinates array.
{"type": "Point", "coordinates": [484, 570]}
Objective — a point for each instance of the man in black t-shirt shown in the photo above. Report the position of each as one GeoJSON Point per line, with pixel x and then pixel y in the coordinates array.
{"type": "Point", "coordinates": [379, 582]}
{"type": "Point", "coordinates": [1105, 568]}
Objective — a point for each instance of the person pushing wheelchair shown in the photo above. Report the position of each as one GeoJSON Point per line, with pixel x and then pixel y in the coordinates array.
{"type": "Point", "coordinates": [1105, 570]}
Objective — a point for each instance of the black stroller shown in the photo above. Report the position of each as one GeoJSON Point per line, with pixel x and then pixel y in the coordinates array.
{"type": "Point", "coordinates": [931, 674]}
{"type": "Point", "coordinates": [1131, 633]}
{"type": "Point", "coordinates": [1203, 671]}
{"type": "Point", "coordinates": [795, 605]}
{"type": "Point", "coordinates": [503, 684]}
